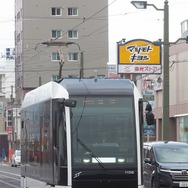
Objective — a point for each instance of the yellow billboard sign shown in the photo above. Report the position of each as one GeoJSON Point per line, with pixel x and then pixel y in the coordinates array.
{"type": "Point", "coordinates": [139, 56]}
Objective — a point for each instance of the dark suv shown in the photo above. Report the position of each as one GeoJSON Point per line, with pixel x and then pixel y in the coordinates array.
{"type": "Point", "coordinates": [165, 164]}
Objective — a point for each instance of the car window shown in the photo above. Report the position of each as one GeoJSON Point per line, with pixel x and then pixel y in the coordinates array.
{"type": "Point", "coordinates": [151, 155]}
{"type": "Point", "coordinates": [172, 155]}
{"type": "Point", "coordinates": [145, 152]}
{"type": "Point", "coordinates": [148, 153]}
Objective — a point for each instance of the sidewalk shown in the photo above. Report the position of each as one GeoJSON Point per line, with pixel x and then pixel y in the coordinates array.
{"type": "Point", "coordinates": [5, 161]}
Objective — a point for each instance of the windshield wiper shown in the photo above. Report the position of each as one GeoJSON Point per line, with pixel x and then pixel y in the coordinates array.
{"type": "Point", "coordinates": [91, 153]}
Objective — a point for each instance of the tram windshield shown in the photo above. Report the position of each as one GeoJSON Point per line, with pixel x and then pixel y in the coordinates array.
{"type": "Point", "coordinates": [103, 131]}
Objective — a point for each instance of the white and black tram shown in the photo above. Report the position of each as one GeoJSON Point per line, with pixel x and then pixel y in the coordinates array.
{"type": "Point", "coordinates": [82, 133]}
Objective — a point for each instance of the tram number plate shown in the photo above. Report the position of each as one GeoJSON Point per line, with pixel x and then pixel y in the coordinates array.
{"type": "Point", "coordinates": [183, 184]}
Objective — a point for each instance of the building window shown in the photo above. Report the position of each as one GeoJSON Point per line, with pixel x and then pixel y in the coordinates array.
{"type": "Point", "coordinates": [56, 11]}
{"type": "Point", "coordinates": [55, 56]}
{"type": "Point", "coordinates": [72, 34]}
{"type": "Point", "coordinates": [183, 124]}
{"type": "Point", "coordinates": [56, 34]}
{"type": "Point", "coordinates": [184, 26]}
{"type": "Point", "coordinates": [72, 11]}
{"type": "Point", "coordinates": [54, 77]}
{"type": "Point", "coordinates": [72, 56]}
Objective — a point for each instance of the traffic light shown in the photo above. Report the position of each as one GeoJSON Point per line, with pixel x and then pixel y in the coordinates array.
{"type": "Point", "coordinates": [9, 117]}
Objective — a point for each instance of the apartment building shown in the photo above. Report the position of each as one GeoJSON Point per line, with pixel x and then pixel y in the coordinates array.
{"type": "Point", "coordinates": [52, 34]}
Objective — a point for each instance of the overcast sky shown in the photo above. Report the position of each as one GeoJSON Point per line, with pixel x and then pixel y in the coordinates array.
{"type": "Point", "coordinates": [6, 24]}
{"type": "Point", "coordinates": [125, 21]}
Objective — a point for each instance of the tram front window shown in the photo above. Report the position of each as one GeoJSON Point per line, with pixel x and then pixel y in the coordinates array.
{"type": "Point", "coordinates": [103, 131]}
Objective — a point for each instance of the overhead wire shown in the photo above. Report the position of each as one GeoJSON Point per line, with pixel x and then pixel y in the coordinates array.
{"type": "Point", "coordinates": [84, 21]}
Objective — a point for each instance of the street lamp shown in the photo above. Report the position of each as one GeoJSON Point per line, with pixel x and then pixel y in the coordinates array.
{"type": "Point", "coordinates": [165, 120]}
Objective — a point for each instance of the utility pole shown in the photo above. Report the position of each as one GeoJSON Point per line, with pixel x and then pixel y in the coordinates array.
{"type": "Point", "coordinates": [62, 61]}
{"type": "Point", "coordinates": [166, 45]}
{"type": "Point", "coordinates": [81, 64]}
{"type": "Point", "coordinates": [61, 55]}
{"type": "Point", "coordinates": [40, 81]}
{"type": "Point", "coordinates": [12, 102]}
{"type": "Point", "coordinates": [166, 97]}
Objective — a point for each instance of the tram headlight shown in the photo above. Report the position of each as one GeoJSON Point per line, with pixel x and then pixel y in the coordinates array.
{"type": "Point", "coordinates": [86, 160]}
{"type": "Point", "coordinates": [87, 157]}
{"type": "Point", "coordinates": [121, 160]}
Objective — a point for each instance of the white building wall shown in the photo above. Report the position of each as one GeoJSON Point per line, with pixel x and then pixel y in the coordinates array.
{"type": "Point", "coordinates": [7, 79]}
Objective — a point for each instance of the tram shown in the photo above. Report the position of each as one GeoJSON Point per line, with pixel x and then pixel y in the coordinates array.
{"type": "Point", "coordinates": [82, 133]}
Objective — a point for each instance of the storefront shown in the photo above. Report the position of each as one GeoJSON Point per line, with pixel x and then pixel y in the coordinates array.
{"type": "Point", "coordinates": [182, 127]}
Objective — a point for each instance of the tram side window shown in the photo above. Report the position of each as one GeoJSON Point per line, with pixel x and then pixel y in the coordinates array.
{"type": "Point", "coordinates": [46, 126]}
{"type": "Point", "coordinates": [33, 134]}
{"type": "Point", "coordinates": [62, 138]}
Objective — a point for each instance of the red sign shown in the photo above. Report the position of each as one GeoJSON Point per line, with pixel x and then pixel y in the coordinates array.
{"type": "Point", "coordinates": [9, 129]}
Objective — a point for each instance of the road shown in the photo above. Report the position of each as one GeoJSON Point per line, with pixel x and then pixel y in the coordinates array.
{"type": "Point", "coordinates": [9, 176]}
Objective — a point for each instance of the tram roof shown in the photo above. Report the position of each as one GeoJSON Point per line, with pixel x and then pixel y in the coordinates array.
{"type": "Point", "coordinates": [78, 87]}
{"type": "Point", "coordinates": [98, 86]}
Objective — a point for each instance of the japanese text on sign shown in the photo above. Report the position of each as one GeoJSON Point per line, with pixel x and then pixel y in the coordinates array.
{"type": "Point", "coordinates": [137, 53]}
